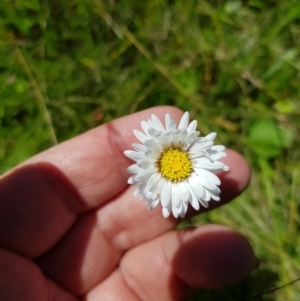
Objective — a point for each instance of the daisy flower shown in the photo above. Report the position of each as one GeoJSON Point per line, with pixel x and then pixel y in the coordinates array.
{"type": "Point", "coordinates": [175, 166]}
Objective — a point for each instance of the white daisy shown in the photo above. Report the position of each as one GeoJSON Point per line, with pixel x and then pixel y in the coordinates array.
{"type": "Point", "coordinates": [174, 166]}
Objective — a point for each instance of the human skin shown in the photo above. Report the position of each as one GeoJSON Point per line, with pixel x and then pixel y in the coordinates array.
{"type": "Point", "coordinates": [71, 229]}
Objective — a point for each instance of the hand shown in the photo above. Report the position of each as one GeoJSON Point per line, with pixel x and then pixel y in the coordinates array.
{"type": "Point", "coordinates": [71, 229]}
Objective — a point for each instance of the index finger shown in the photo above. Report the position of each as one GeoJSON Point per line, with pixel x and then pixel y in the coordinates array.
{"type": "Point", "coordinates": [94, 162]}
{"type": "Point", "coordinates": [40, 200]}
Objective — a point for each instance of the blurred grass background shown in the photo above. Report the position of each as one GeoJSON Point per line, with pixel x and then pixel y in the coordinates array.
{"type": "Point", "coordinates": [68, 66]}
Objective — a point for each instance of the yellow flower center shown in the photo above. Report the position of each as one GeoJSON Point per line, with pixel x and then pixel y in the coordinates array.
{"type": "Point", "coordinates": [175, 165]}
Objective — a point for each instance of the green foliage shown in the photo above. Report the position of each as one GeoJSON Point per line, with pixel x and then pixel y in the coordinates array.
{"type": "Point", "coordinates": [68, 66]}
{"type": "Point", "coordinates": [267, 139]}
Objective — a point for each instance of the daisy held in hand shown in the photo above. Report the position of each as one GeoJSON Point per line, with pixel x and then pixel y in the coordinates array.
{"type": "Point", "coordinates": [174, 166]}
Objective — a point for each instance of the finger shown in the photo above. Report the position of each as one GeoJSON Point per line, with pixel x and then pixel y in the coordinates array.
{"type": "Point", "coordinates": [38, 205]}
{"type": "Point", "coordinates": [113, 288]}
{"type": "Point", "coordinates": [208, 257]}
{"type": "Point", "coordinates": [116, 288]}
{"type": "Point", "coordinates": [124, 223]}
{"type": "Point", "coordinates": [211, 256]}
{"type": "Point", "coordinates": [84, 257]}
{"type": "Point", "coordinates": [21, 279]}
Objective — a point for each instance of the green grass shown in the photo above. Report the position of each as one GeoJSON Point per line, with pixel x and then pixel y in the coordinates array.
{"type": "Point", "coordinates": [68, 66]}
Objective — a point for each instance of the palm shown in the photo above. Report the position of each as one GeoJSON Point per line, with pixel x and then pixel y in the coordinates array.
{"type": "Point", "coordinates": [70, 210]}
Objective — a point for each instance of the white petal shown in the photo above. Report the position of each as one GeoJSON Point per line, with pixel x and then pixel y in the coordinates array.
{"type": "Point", "coordinates": [152, 204]}
{"type": "Point", "coordinates": [218, 148]}
{"type": "Point", "coordinates": [198, 154]}
{"type": "Point", "coordinates": [153, 149]}
{"type": "Point", "coordinates": [133, 169]}
{"type": "Point", "coordinates": [145, 127]}
{"type": "Point", "coordinates": [146, 195]}
{"type": "Point", "coordinates": [226, 168]}
{"type": "Point", "coordinates": [134, 155]}
{"type": "Point", "coordinates": [217, 156]}
{"type": "Point", "coordinates": [183, 210]}
{"type": "Point", "coordinates": [139, 147]}
{"type": "Point", "coordinates": [215, 191]}
{"type": "Point", "coordinates": [183, 191]}
{"type": "Point", "coordinates": [177, 135]}
{"type": "Point", "coordinates": [193, 200]}
{"type": "Point", "coordinates": [202, 145]}
{"type": "Point", "coordinates": [209, 175]}
{"type": "Point", "coordinates": [174, 211]}
{"type": "Point", "coordinates": [128, 152]}
{"type": "Point", "coordinates": [201, 160]}
{"type": "Point", "coordinates": [166, 194]}
{"type": "Point", "coordinates": [141, 136]}
{"type": "Point", "coordinates": [207, 183]}
{"type": "Point", "coordinates": [178, 208]}
{"type": "Point", "coordinates": [145, 174]}
{"type": "Point", "coordinates": [184, 121]}
{"type": "Point", "coordinates": [196, 186]}
{"type": "Point", "coordinates": [130, 180]}
{"type": "Point", "coordinates": [175, 195]}
{"type": "Point", "coordinates": [205, 204]}
{"type": "Point", "coordinates": [206, 195]}
{"type": "Point", "coordinates": [192, 127]}
{"type": "Point", "coordinates": [211, 136]}
{"type": "Point", "coordinates": [215, 198]}
{"type": "Point", "coordinates": [152, 182]}
{"type": "Point", "coordinates": [153, 133]}
{"type": "Point", "coordinates": [166, 212]}
{"type": "Point", "coordinates": [159, 187]}
{"type": "Point", "coordinates": [166, 140]}
{"type": "Point", "coordinates": [152, 155]}
{"type": "Point", "coordinates": [157, 123]}
{"type": "Point", "coordinates": [212, 166]}
{"type": "Point", "coordinates": [184, 139]}
{"type": "Point", "coordinates": [137, 192]}
{"type": "Point", "coordinates": [193, 136]}
{"type": "Point", "coordinates": [143, 163]}
{"type": "Point", "coordinates": [170, 123]}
